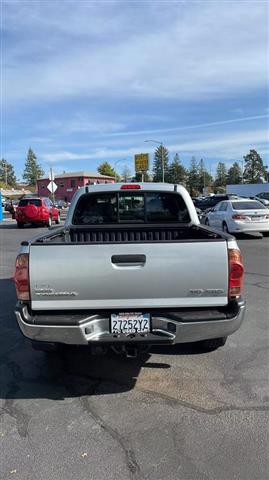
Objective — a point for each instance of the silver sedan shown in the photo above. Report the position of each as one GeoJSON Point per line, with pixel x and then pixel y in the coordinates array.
{"type": "Point", "coordinates": [235, 216]}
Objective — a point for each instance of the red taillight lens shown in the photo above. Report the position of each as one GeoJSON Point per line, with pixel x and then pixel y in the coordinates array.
{"type": "Point", "coordinates": [239, 217]}
{"type": "Point", "coordinates": [236, 273]}
{"type": "Point", "coordinates": [21, 277]}
{"type": "Point", "coordinates": [130, 186]}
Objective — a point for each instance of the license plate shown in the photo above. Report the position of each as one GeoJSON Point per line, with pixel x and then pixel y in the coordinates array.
{"type": "Point", "coordinates": [257, 219]}
{"type": "Point", "coordinates": [130, 322]}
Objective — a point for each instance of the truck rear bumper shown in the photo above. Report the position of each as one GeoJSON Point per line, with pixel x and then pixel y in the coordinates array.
{"type": "Point", "coordinates": [181, 326]}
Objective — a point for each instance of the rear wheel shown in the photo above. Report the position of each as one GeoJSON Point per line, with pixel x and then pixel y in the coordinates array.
{"type": "Point", "coordinates": [225, 227]}
{"type": "Point", "coordinates": [58, 219]}
{"type": "Point", "coordinates": [49, 222]}
{"type": "Point", "coordinates": [212, 344]}
{"type": "Point", "coordinates": [20, 224]}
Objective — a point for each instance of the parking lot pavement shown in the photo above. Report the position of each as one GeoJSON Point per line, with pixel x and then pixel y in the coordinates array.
{"type": "Point", "coordinates": [172, 414]}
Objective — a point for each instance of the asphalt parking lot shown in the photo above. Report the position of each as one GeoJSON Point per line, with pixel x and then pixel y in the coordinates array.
{"type": "Point", "coordinates": [172, 414]}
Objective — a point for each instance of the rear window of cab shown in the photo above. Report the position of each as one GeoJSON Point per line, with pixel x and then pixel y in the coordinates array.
{"type": "Point", "coordinates": [130, 207]}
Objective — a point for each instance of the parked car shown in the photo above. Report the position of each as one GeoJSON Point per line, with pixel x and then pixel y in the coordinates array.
{"type": "Point", "coordinates": [212, 200]}
{"type": "Point", "coordinates": [132, 267]}
{"type": "Point", "coordinates": [263, 197]}
{"type": "Point", "coordinates": [61, 204]}
{"type": "Point", "coordinates": [36, 211]}
{"type": "Point", "coordinates": [242, 215]}
{"type": "Point", "coordinates": [11, 205]}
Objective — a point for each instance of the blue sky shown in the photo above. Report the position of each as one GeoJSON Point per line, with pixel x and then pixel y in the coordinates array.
{"type": "Point", "coordinates": [85, 81]}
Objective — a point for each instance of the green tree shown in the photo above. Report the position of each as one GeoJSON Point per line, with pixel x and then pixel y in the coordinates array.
{"type": "Point", "coordinates": [106, 169]}
{"type": "Point", "coordinates": [221, 176]}
{"type": "Point", "coordinates": [7, 174]}
{"type": "Point", "coordinates": [177, 173]}
{"type": "Point", "coordinates": [32, 169]}
{"type": "Point", "coordinates": [254, 171]}
{"type": "Point", "coordinates": [234, 175]}
{"type": "Point", "coordinates": [161, 161]}
{"type": "Point", "coordinates": [193, 177]}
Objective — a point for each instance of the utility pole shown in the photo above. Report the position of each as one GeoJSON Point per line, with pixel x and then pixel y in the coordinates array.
{"type": "Point", "coordinates": [6, 173]}
{"type": "Point", "coordinates": [52, 185]}
{"type": "Point", "coordinates": [242, 171]}
{"type": "Point", "coordinates": [162, 161]}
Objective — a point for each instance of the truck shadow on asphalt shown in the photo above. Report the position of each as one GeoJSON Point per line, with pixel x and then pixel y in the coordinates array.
{"type": "Point", "coordinates": [74, 372]}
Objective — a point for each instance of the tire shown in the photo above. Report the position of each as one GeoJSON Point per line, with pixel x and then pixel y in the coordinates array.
{"type": "Point", "coordinates": [58, 220]}
{"type": "Point", "coordinates": [49, 222]}
{"type": "Point", "coordinates": [225, 227]}
{"type": "Point", "coordinates": [47, 347]}
{"type": "Point", "coordinates": [265, 234]}
{"type": "Point", "coordinates": [211, 344]}
{"type": "Point", "coordinates": [19, 224]}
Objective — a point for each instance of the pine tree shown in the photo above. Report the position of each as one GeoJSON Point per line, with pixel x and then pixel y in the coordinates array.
{"type": "Point", "coordinates": [106, 169]}
{"type": "Point", "coordinates": [193, 177]}
{"type": "Point", "coordinates": [254, 171]}
{"type": "Point", "coordinates": [32, 170]}
{"type": "Point", "coordinates": [234, 175]}
{"type": "Point", "coordinates": [161, 159]}
{"type": "Point", "coordinates": [177, 173]}
{"type": "Point", "coordinates": [221, 175]}
{"type": "Point", "coordinates": [7, 174]}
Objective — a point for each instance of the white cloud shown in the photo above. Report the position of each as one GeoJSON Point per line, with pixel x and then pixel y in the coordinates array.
{"type": "Point", "coordinates": [190, 127]}
{"type": "Point", "coordinates": [64, 156]}
{"type": "Point", "coordinates": [225, 146]}
{"type": "Point", "coordinates": [208, 50]}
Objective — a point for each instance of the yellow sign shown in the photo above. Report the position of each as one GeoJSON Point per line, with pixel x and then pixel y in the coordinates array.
{"type": "Point", "coordinates": [141, 162]}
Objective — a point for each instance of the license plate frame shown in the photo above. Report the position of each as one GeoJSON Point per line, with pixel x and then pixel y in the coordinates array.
{"type": "Point", "coordinates": [128, 323]}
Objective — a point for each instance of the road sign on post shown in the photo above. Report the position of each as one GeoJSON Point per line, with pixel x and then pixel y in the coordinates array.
{"type": "Point", "coordinates": [52, 187]}
{"type": "Point", "coordinates": [141, 162]}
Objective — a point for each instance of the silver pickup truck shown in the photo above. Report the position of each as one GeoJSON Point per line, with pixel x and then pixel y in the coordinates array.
{"type": "Point", "coordinates": [132, 267]}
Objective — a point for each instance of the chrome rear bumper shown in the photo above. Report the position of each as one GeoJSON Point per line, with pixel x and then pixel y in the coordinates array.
{"type": "Point", "coordinates": [166, 328]}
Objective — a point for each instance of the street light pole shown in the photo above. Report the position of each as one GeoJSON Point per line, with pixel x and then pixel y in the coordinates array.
{"type": "Point", "coordinates": [6, 173]}
{"type": "Point", "coordinates": [162, 155]}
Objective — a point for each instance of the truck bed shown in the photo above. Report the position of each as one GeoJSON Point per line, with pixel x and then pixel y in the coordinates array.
{"type": "Point", "coordinates": [170, 266]}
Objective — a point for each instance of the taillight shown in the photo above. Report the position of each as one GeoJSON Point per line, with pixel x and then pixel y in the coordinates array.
{"type": "Point", "coordinates": [21, 277]}
{"type": "Point", "coordinates": [130, 186]}
{"type": "Point", "coordinates": [239, 217]}
{"type": "Point", "coordinates": [236, 273]}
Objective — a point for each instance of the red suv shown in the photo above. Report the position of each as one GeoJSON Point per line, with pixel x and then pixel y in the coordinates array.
{"type": "Point", "coordinates": [36, 210]}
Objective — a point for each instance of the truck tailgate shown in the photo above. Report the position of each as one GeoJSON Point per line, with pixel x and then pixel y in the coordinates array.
{"type": "Point", "coordinates": [127, 276]}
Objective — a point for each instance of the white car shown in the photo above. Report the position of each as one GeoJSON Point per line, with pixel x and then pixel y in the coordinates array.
{"type": "Point", "coordinates": [235, 216]}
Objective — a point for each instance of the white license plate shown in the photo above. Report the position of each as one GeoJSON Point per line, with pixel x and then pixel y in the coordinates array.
{"type": "Point", "coordinates": [257, 219]}
{"type": "Point", "coordinates": [130, 322]}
